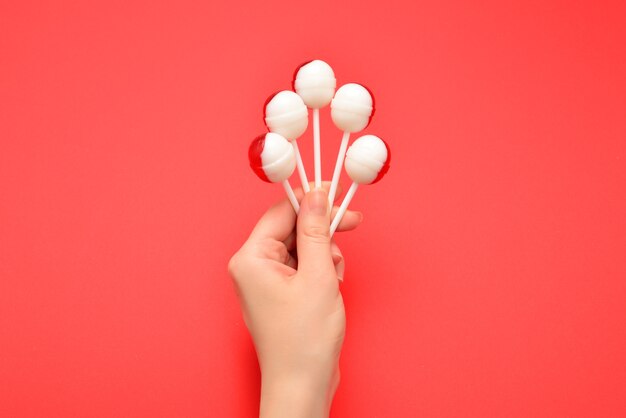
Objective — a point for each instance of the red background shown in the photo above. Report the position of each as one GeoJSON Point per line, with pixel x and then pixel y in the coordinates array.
{"type": "Point", "coordinates": [489, 277]}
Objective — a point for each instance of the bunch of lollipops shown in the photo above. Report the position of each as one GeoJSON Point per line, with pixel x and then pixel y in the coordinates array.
{"type": "Point", "coordinates": [275, 155]}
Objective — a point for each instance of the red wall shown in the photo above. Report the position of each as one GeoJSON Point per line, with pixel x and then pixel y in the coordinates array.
{"type": "Point", "coordinates": [487, 280]}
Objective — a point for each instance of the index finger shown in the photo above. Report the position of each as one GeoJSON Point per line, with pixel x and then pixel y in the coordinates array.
{"type": "Point", "coordinates": [276, 223]}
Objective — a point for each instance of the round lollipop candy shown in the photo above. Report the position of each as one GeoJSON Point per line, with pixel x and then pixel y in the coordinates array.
{"type": "Point", "coordinates": [286, 114]}
{"type": "Point", "coordinates": [315, 82]}
{"type": "Point", "coordinates": [367, 161]}
{"type": "Point", "coordinates": [351, 110]}
{"type": "Point", "coordinates": [272, 158]}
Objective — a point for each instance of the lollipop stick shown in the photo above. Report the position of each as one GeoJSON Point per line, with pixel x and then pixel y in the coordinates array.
{"type": "Point", "coordinates": [291, 196]}
{"type": "Point", "coordinates": [316, 148]}
{"type": "Point", "coordinates": [343, 208]}
{"type": "Point", "coordinates": [300, 165]}
{"type": "Point", "coordinates": [338, 165]}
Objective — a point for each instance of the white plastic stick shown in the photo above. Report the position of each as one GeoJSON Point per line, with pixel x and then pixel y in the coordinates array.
{"type": "Point", "coordinates": [291, 195]}
{"type": "Point", "coordinates": [343, 208]}
{"type": "Point", "coordinates": [300, 165]}
{"type": "Point", "coordinates": [337, 173]}
{"type": "Point", "coordinates": [317, 154]}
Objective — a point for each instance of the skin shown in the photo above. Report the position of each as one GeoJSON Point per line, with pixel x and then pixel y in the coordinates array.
{"type": "Point", "coordinates": [287, 277]}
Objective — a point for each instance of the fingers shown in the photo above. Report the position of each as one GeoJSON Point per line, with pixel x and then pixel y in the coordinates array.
{"type": "Point", "coordinates": [350, 221]}
{"type": "Point", "coordinates": [289, 260]}
{"type": "Point", "coordinates": [338, 261]}
{"type": "Point", "coordinates": [275, 231]}
{"type": "Point", "coordinates": [325, 185]}
{"type": "Point", "coordinates": [271, 249]}
{"type": "Point", "coordinates": [313, 235]}
{"type": "Point", "coordinates": [277, 223]}
{"type": "Point", "coordinates": [280, 220]}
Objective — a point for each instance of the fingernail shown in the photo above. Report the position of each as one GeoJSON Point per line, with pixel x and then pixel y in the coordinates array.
{"type": "Point", "coordinates": [318, 202]}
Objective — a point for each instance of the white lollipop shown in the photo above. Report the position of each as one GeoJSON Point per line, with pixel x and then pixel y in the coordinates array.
{"type": "Point", "coordinates": [286, 114]}
{"type": "Point", "coordinates": [367, 161]}
{"type": "Point", "coordinates": [273, 159]}
{"type": "Point", "coordinates": [351, 110]}
{"type": "Point", "coordinates": [315, 82]}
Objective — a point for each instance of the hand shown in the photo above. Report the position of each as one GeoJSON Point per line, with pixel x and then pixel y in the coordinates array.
{"type": "Point", "coordinates": [288, 284]}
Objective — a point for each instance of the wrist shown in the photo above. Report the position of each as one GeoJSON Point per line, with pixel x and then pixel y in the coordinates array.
{"type": "Point", "coordinates": [297, 396]}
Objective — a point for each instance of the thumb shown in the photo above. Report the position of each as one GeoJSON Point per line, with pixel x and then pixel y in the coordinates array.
{"type": "Point", "coordinates": [314, 252]}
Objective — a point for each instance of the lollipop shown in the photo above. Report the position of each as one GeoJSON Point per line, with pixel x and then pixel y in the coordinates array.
{"type": "Point", "coordinates": [351, 111]}
{"type": "Point", "coordinates": [286, 114]}
{"type": "Point", "coordinates": [272, 159]}
{"type": "Point", "coordinates": [315, 82]}
{"type": "Point", "coordinates": [367, 161]}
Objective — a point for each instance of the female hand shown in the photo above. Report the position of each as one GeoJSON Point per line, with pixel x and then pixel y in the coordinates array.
{"type": "Point", "coordinates": [287, 279]}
